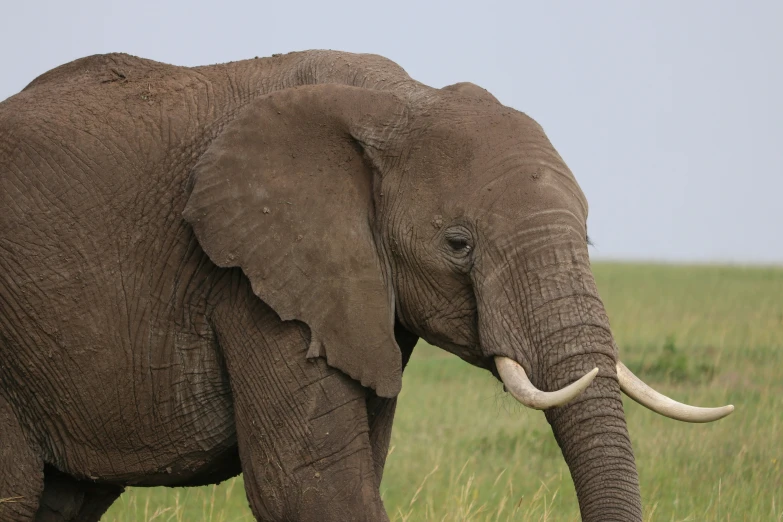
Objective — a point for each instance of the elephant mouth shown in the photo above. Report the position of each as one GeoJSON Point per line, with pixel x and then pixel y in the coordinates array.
{"type": "Point", "coordinates": [469, 353]}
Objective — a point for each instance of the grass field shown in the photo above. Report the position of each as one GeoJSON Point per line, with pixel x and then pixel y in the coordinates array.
{"type": "Point", "coordinates": [462, 450]}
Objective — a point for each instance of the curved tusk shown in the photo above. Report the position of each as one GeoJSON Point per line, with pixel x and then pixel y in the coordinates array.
{"type": "Point", "coordinates": [520, 387]}
{"type": "Point", "coordinates": [636, 389]}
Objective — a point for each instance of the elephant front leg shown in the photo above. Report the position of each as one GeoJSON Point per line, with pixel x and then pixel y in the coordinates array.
{"type": "Point", "coordinates": [302, 426]}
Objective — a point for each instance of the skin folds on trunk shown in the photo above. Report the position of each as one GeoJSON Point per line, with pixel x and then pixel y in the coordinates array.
{"type": "Point", "coordinates": [593, 437]}
{"type": "Point", "coordinates": [545, 313]}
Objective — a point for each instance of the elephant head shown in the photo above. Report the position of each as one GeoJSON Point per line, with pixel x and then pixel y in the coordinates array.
{"type": "Point", "coordinates": [349, 208]}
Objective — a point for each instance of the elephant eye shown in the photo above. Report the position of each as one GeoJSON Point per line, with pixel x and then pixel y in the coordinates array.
{"type": "Point", "coordinates": [458, 244]}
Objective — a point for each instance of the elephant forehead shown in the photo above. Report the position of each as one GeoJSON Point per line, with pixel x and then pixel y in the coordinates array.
{"type": "Point", "coordinates": [520, 182]}
{"type": "Point", "coordinates": [530, 198]}
{"type": "Point", "coordinates": [514, 183]}
{"type": "Point", "coordinates": [460, 132]}
{"type": "Point", "coordinates": [477, 162]}
{"type": "Point", "coordinates": [477, 147]}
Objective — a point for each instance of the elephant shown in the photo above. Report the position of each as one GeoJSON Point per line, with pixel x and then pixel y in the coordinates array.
{"type": "Point", "coordinates": [224, 269]}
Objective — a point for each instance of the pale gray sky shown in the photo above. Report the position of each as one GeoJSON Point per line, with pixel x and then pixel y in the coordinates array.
{"type": "Point", "coordinates": [669, 113]}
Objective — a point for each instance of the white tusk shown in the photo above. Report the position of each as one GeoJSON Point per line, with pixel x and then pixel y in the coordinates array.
{"type": "Point", "coordinates": [520, 387]}
{"type": "Point", "coordinates": [636, 389]}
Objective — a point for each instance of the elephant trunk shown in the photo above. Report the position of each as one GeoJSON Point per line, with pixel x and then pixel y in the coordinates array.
{"type": "Point", "coordinates": [592, 434]}
{"type": "Point", "coordinates": [544, 313]}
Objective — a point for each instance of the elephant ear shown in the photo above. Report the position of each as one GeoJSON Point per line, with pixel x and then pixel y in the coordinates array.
{"type": "Point", "coordinates": [286, 193]}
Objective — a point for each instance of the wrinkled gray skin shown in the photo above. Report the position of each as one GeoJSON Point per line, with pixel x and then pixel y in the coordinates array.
{"type": "Point", "coordinates": [211, 270]}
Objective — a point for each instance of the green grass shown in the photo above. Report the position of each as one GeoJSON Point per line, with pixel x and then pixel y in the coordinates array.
{"type": "Point", "coordinates": [462, 450]}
